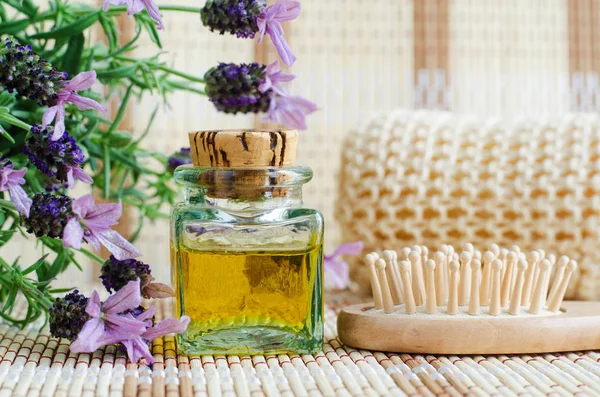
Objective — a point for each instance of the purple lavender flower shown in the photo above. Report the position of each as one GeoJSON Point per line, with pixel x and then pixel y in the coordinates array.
{"type": "Point", "coordinates": [82, 81]}
{"type": "Point", "coordinates": [137, 347]}
{"type": "Point", "coordinates": [135, 6]}
{"type": "Point", "coordinates": [237, 17]}
{"type": "Point", "coordinates": [59, 159]}
{"type": "Point", "coordinates": [181, 157]}
{"type": "Point", "coordinates": [107, 323]}
{"type": "Point", "coordinates": [121, 319]}
{"type": "Point", "coordinates": [245, 18]}
{"type": "Point", "coordinates": [337, 267]}
{"type": "Point", "coordinates": [24, 71]}
{"type": "Point", "coordinates": [234, 88]}
{"type": "Point", "coordinates": [11, 180]}
{"type": "Point", "coordinates": [270, 23]}
{"type": "Point", "coordinates": [255, 88]}
{"type": "Point", "coordinates": [68, 315]}
{"type": "Point", "coordinates": [78, 220]}
{"type": "Point", "coordinates": [115, 274]}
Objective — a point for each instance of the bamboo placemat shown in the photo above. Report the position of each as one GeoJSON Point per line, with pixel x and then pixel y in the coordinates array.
{"type": "Point", "coordinates": [34, 364]}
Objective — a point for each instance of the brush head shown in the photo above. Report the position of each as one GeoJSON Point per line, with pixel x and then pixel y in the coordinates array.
{"type": "Point", "coordinates": [493, 280]}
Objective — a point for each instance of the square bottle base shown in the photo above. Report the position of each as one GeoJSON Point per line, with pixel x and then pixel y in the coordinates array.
{"type": "Point", "coordinates": [249, 341]}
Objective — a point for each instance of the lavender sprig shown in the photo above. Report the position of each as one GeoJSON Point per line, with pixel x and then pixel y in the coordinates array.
{"type": "Point", "coordinates": [25, 72]}
{"type": "Point", "coordinates": [60, 160]}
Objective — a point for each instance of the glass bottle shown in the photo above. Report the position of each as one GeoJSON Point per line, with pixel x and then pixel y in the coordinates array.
{"type": "Point", "coordinates": [246, 257]}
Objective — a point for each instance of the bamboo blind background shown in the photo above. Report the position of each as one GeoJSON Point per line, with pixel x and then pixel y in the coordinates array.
{"type": "Point", "coordinates": [493, 58]}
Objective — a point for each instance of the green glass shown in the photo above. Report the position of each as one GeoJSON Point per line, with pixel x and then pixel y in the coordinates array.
{"type": "Point", "coordinates": [247, 261]}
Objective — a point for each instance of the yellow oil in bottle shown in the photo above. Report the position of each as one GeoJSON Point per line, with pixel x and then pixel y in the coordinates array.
{"type": "Point", "coordinates": [230, 294]}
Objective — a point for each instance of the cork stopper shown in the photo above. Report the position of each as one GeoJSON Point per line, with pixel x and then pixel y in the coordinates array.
{"type": "Point", "coordinates": [243, 148]}
{"type": "Point", "coordinates": [238, 161]}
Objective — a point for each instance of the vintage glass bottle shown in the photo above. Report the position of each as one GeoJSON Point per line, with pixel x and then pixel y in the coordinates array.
{"type": "Point", "coordinates": [246, 257]}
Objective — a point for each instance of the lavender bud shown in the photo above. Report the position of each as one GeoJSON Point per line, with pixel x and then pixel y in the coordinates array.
{"type": "Point", "coordinates": [49, 215]}
{"type": "Point", "coordinates": [23, 71]}
{"type": "Point", "coordinates": [237, 17]}
{"type": "Point", "coordinates": [53, 158]}
{"type": "Point", "coordinates": [234, 88]}
{"type": "Point", "coordinates": [67, 315]}
{"type": "Point", "coordinates": [115, 274]}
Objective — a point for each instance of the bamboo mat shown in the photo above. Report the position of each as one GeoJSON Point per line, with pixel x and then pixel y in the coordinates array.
{"type": "Point", "coordinates": [34, 364]}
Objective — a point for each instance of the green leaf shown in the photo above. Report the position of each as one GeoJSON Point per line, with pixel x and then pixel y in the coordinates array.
{"type": "Point", "coordinates": [34, 267]}
{"type": "Point", "coordinates": [12, 27]}
{"type": "Point", "coordinates": [71, 29]}
{"type": "Point", "coordinates": [117, 73]}
{"type": "Point", "coordinates": [106, 160]}
{"type": "Point", "coordinates": [6, 135]}
{"type": "Point", "coordinates": [150, 26]}
{"type": "Point", "coordinates": [110, 30]}
{"type": "Point", "coordinates": [122, 109]}
{"type": "Point", "coordinates": [71, 61]}
{"type": "Point", "coordinates": [119, 139]}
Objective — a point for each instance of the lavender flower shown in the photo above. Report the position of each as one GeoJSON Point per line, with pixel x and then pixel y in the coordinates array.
{"type": "Point", "coordinates": [234, 88]}
{"type": "Point", "coordinates": [239, 17]}
{"type": "Point", "coordinates": [24, 71]}
{"type": "Point", "coordinates": [107, 323]}
{"type": "Point", "coordinates": [11, 180]}
{"type": "Point", "coordinates": [135, 6]}
{"type": "Point", "coordinates": [49, 215]}
{"type": "Point", "coordinates": [121, 319]}
{"type": "Point", "coordinates": [245, 18]}
{"type": "Point", "coordinates": [115, 274]}
{"type": "Point", "coordinates": [256, 88]}
{"type": "Point", "coordinates": [60, 159]}
{"type": "Point", "coordinates": [337, 267]}
{"type": "Point", "coordinates": [137, 347]}
{"type": "Point", "coordinates": [82, 81]}
{"type": "Point", "coordinates": [181, 157]}
{"type": "Point", "coordinates": [68, 315]}
{"type": "Point", "coordinates": [78, 220]}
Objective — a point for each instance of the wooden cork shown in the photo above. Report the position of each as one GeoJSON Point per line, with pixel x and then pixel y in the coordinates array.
{"type": "Point", "coordinates": [238, 161]}
{"type": "Point", "coordinates": [243, 148]}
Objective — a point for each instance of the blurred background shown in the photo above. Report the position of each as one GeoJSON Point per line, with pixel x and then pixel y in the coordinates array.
{"type": "Point", "coordinates": [509, 58]}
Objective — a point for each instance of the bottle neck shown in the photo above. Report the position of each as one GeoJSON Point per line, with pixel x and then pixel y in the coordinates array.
{"type": "Point", "coordinates": [241, 190]}
{"type": "Point", "coordinates": [259, 201]}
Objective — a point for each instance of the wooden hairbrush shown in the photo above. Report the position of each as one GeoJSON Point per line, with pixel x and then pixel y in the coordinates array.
{"type": "Point", "coordinates": [500, 302]}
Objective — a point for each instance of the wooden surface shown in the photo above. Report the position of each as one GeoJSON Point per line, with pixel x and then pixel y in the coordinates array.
{"type": "Point", "coordinates": [577, 328]}
{"type": "Point", "coordinates": [34, 364]}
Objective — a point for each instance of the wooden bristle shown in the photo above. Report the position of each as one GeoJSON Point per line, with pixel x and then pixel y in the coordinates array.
{"type": "Point", "coordinates": [495, 299]}
{"type": "Point", "coordinates": [515, 298]}
{"type": "Point", "coordinates": [486, 278]}
{"type": "Point", "coordinates": [440, 260]}
{"type": "Point", "coordinates": [533, 258]}
{"type": "Point", "coordinates": [388, 303]}
{"type": "Point", "coordinates": [417, 281]}
{"type": "Point", "coordinates": [394, 282]}
{"type": "Point", "coordinates": [453, 288]}
{"type": "Point", "coordinates": [430, 304]}
{"type": "Point", "coordinates": [465, 278]}
{"type": "Point", "coordinates": [554, 304]}
{"type": "Point", "coordinates": [560, 267]}
{"type": "Point", "coordinates": [539, 292]}
{"type": "Point", "coordinates": [409, 299]}
{"type": "Point", "coordinates": [375, 286]}
{"type": "Point", "coordinates": [475, 283]}
{"type": "Point", "coordinates": [503, 279]}
{"type": "Point", "coordinates": [507, 282]}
